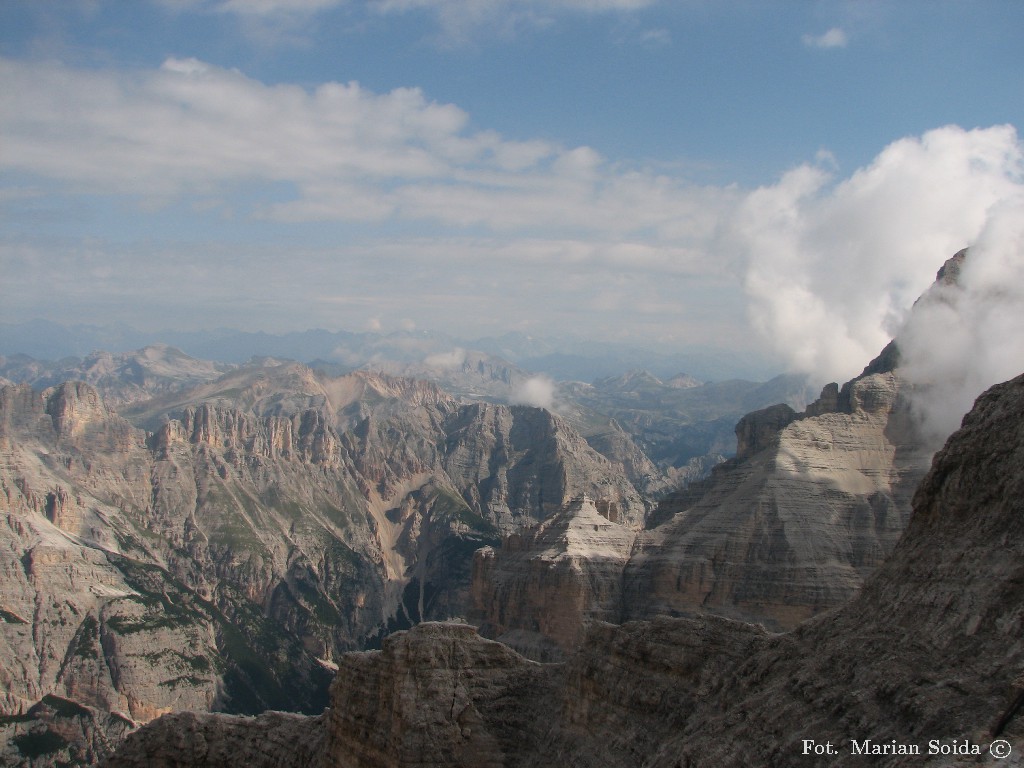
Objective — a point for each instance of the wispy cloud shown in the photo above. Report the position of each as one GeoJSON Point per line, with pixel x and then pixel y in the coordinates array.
{"type": "Point", "coordinates": [271, 7]}
{"type": "Point", "coordinates": [460, 20]}
{"type": "Point", "coordinates": [833, 38]}
{"type": "Point", "coordinates": [349, 153]}
{"type": "Point", "coordinates": [253, 7]}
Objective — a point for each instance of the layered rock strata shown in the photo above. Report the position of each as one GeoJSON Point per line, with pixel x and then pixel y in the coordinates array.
{"type": "Point", "coordinates": [536, 593]}
{"type": "Point", "coordinates": [226, 559]}
{"type": "Point", "coordinates": [810, 506]}
{"type": "Point", "coordinates": [921, 668]}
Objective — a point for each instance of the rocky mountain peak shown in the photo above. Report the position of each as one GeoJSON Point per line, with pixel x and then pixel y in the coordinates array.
{"type": "Point", "coordinates": [756, 430]}
{"type": "Point", "coordinates": [927, 657]}
{"type": "Point", "coordinates": [73, 406]}
{"type": "Point", "coordinates": [949, 272]}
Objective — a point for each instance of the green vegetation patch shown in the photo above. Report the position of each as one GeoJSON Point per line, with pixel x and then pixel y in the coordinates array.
{"type": "Point", "coordinates": [151, 621]}
{"type": "Point", "coordinates": [178, 659]}
{"type": "Point", "coordinates": [339, 552]}
{"type": "Point", "coordinates": [230, 527]}
{"type": "Point", "coordinates": [449, 506]}
{"type": "Point", "coordinates": [155, 588]}
{"type": "Point", "coordinates": [322, 608]}
{"type": "Point", "coordinates": [284, 506]}
{"type": "Point", "coordinates": [189, 680]}
{"type": "Point", "coordinates": [87, 642]}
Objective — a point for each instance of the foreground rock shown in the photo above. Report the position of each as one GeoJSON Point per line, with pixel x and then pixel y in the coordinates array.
{"type": "Point", "coordinates": [927, 658]}
{"type": "Point", "coordinates": [537, 592]}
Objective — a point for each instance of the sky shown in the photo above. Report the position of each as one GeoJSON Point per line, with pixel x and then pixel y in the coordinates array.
{"type": "Point", "coordinates": [780, 180]}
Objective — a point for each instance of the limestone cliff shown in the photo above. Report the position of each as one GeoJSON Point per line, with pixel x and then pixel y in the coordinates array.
{"type": "Point", "coordinates": [928, 656]}
{"type": "Point", "coordinates": [273, 520]}
{"type": "Point", "coordinates": [537, 593]}
{"type": "Point", "coordinates": [811, 504]}
{"type": "Point", "coordinates": [792, 526]}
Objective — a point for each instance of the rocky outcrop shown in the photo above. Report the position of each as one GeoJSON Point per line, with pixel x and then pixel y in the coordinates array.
{"type": "Point", "coordinates": [921, 668]}
{"type": "Point", "coordinates": [437, 695]}
{"type": "Point", "coordinates": [757, 430]}
{"type": "Point", "coordinates": [782, 533]}
{"type": "Point", "coordinates": [546, 583]}
{"type": "Point", "coordinates": [790, 527]}
{"type": "Point", "coordinates": [225, 741]}
{"type": "Point", "coordinates": [544, 463]}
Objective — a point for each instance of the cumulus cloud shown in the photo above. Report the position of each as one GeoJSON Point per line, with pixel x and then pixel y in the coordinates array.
{"type": "Point", "coordinates": [964, 337]}
{"type": "Point", "coordinates": [538, 391]}
{"type": "Point", "coordinates": [833, 38]}
{"type": "Point", "coordinates": [831, 268]}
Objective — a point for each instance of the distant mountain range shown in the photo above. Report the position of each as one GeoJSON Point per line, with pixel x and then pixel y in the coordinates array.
{"type": "Point", "coordinates": [562, 358]}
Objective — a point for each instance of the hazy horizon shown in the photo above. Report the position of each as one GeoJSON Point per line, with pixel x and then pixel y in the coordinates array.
{"type": "Point", "coordinates": [779, 182]}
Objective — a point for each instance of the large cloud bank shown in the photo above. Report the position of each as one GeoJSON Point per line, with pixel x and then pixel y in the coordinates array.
{"type": "Point", "coordinates": [962, 338]}
{"type": "Point", "coordinates": [831, 269]}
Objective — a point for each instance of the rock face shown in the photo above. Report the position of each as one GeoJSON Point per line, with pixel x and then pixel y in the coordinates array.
{"type": "Point", "coordinates": [811, 504]}
{"type": "Point", "coordinates": [271, 521]}
{"type": "Point", "coordinates": [927, 657]}
{"type": "Point", "coordinates": [547, 581]}
{"type": "Point", "coordinates": [437, 695]}
{"type": "Point", "coordinates": [792, 526]}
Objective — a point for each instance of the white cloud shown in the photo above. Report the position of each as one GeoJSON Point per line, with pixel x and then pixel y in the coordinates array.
{"type": "Point", "coordinates": [833, 38]}
{"type": "Point", "coordinates": [538, 391]}
{"type": "Point", "coordinates": [461, 19]}
{"type": "Point", "coordinates": [522, 234]}
{"type": "Point", "coordinates": [348, 153]}
{"type": "Point", "coordinates": [832, 269]}
{"type": "Point", "coordinates": [270, 7]}
{"type": "Point", "coordinates": [446, 360]}
{"type": "Point", "coordinates": [962, 339]}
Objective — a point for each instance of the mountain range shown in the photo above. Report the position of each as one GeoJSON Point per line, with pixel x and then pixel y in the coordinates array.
{"type": "Point", "coordinates": [922, 667]}
{"type": "Point", "coordinates": [190, 535]}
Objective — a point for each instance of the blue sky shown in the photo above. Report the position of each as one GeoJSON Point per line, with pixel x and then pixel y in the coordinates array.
{"type": "Point", "coordinates": [762, 176]}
